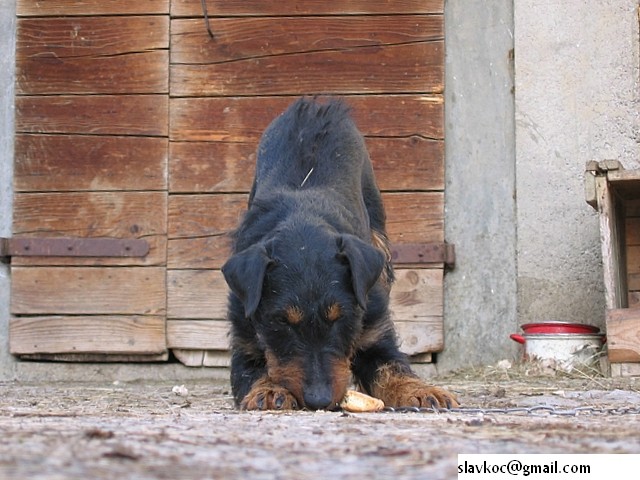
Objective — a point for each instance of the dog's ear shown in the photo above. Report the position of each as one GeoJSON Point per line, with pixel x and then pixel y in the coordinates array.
{"type": "Point", "coordinates": [244, 273]}
{"type": "Point", "coordinates": [366, 264]}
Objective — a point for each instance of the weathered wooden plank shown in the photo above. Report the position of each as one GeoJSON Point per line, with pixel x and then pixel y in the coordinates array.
{"type": "Point", "coordinates": [86, 37]}
{"type": "Point", "coordinates": [88, 290]}
{"type": "Point", "coordinates": [199, 225]}
{"type": "Point", "coordinates": [198, 334]}
{"type": "Point", "coordinates": [93, 114]}
{"type": "Point", "coordinates": [411, 68]}
{"type": "Point", "coordinates": [87, 162]}
{"type": "Point", "coordinates": [87, 334]}
{"type": "Point", "coordinates": [615, 282]}
{"type": "Point", "coordinates": [196, 294]}
{"type": "Point", "coordinates": [243, 38]}
{"type": "Point", "coordinates": [415, 217]}
{"type": "Point", "coordinates": [189, 8]}
{"type": "Point", "coordinates": [93, 214]}
{"type": "Point", "coordinates": [420, 337]}
{"type": "Point", "coordinates": [631, 230]}
{"type": "Point", "coordinates": [404, 164]}
{"type": "Point", "coordinates": [76, 55]}
{"type": "Point", "coordinates": [623, 335]}
{"type": "Point", "coordinates": [204, 252]}
{"type": "Point", "coordinates": [403, 69]}
{"type": "Point", "coordinates": [625, 370]}
{"type": "Point", "coordinates": [189, 358]}
{"type": "Point", "coordinates": [243, 119]}
{"type": "Point", "coordinates": [202, 167]}
{"type": "Point", "coordinates": [204, 215]}
{"type": "Point", "coordinates": [417, 295]}
{"type": "Point", "coordinates": [91, 7]}
{"type": "Point", "coordinates": [96, 357]}
{"type": "Point", "coordinates": [121, 74]}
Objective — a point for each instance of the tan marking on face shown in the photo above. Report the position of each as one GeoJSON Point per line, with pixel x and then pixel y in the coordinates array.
{"type": "Point", "coordinates": [341, 375]}
{"type": "Point", "coordinates": [294, 315]}
{"type": "Point", "coordinates": [333, 312]}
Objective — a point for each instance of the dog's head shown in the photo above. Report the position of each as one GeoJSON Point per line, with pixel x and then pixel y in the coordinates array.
{"type": "Point", "coordinates": [305, 293]}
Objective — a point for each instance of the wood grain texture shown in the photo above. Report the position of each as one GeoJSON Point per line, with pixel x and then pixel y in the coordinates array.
{"type": "Point", "coordinates": [91, 7]}
{"type": "Point", "coordinates": [76, 55]}
{"type": "Point", "coordinates": [93, 115]}
{"type": "Point", "coordinates": [413, 68]}
{"type": "Point", "coordinates": [198, 334]}
{"type": "Point", "coordinates": [93, 214]}
{"type": "Point", "coordinates": [415, 217]}
{"type": "Point", "coordinates": [623, 335]}
{"type": "Point", "coordinates": [244, 38]}
{"type": "Point", "coordinates": [89, 163]}
{"type": "Point", "coordinates": [196, 294]}
{"type": "Point", "coordinates": [412, 163]}
{"type": "Point", "coordinates": [243, 119]}
{"type": "Point", "coordinates": [417, 295]}
{"type": "Point", "coordinates": [88, 290]}
{"type": "Point", "coordinates": [188, 8]}
{"type": "Point", "coordinates": [87, 334]}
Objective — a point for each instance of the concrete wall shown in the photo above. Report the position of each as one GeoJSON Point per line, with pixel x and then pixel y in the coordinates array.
{"type": "Point", "coordinates": [576, 100]}
{"type": "Point", "coordinates": [480, 293]}
{"type": "Point", "coordinates": [7, 61]}
{"type": "Point", "coordinates": [527, 243]}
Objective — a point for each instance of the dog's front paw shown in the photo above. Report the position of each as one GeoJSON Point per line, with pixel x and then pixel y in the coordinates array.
{"type": "Point", "coordinates": [269, 397]}
{"type": "Point", "coordinates": [423, 395]}
{"type": "Point", "coordinates": [407, 391]}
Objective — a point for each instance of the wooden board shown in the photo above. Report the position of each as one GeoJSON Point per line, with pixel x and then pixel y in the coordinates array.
{"type": "Point", "coordinates": [196, 294]}
{"type": "Point", "coordinates": [87, 334]}
{"type": "Point", "coordinates": [91, 7]}
{"type": "Point", "coordinates": [412, 163]}
{"type": "Point", "coordinates": [189, 8]}
{"type": "Point", "coordinates": [88, 290]}
{"type": "Point", "coordinates": [612, 244]}
{"type": "Point", "coordinates": [200, 225]}
{"type": "Point", "coordinates": [93, 115]}
{"type": "Point", "coordinates": [411, 68]}
{"type": "Point", "coordinates": [91, 163]}
{"type": "Point", "coordinates": [76, 55]}
{"type": "Point", "coordinates": [243, 119]}
{"type": "Point", "coordinates": [417, 295]}
{"type": "Point", "coordinates": [93, 214]}
{"type": "Point", "coordinates": [243, 38]}
{"type": "Point", "coordinates": [198, 334]}
{"type": "Point", "coordinates": [623, 335]}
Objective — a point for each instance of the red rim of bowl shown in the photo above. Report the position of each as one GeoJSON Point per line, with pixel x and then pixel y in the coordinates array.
{"type": "Point", "coordinates": [558, 327]}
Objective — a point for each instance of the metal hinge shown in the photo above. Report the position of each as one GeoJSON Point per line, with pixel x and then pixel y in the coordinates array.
{"type": "Point", "coordinates": [423, 254]}
{"type": "Point", "coordinates": [71, 247]}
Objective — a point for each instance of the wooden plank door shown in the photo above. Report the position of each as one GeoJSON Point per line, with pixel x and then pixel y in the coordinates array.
{"type": "Point", "coordinates": [385, 58]}
{"type": "Point", "coordinates": [90, 161]}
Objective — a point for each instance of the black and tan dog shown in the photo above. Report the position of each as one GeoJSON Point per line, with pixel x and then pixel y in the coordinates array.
{"type": "Point", "coordinates": [310, 273]}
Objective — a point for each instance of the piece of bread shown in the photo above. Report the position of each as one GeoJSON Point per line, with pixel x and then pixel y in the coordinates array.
{"type": "Point", "coordinates": [360, 402]}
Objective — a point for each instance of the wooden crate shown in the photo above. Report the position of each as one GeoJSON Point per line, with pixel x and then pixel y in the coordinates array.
{"type": "Point", "coordinates": [615, 193]}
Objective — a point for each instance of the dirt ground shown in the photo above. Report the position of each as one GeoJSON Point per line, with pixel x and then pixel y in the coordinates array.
{"type": "Point", "coordinates": [147, 431]}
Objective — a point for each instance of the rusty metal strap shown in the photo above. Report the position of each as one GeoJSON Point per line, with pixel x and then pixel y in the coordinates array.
{"type": "Point", "coordinates": [423, 254]}
{"type": "Point", "coordinates": [73, 247]}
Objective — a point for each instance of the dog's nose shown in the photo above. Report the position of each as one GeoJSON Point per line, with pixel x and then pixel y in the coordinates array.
{"type": "Point", "coordinates": [317, 398]}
